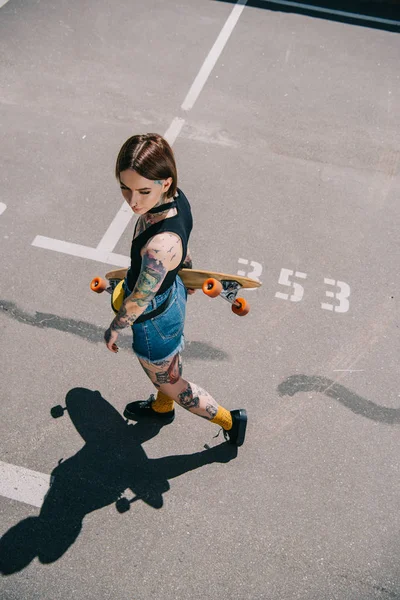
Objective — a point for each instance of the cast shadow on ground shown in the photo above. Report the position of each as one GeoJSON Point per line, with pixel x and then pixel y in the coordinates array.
{"type": "Point", "coordinates": [378, 14]}
{"type": "Point", "coordinates": [111, 462]}
{"type": "Point", "coordinates": [357, 404]}
{"type": "Point", "coordinates": [95, 335]}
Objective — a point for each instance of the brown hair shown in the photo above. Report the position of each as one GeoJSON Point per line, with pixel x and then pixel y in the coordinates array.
{"type": "Point", "coordinates": [151, 156]}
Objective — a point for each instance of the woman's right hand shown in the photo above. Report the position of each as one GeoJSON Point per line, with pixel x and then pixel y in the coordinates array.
{"type": "Point", "coordinates": [110, 337]}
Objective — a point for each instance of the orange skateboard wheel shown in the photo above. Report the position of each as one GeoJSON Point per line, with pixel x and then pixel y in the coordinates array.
{"type": "Point", "coordinates": [98, 285]}
{"type": "Point", "coordinates": [212, 287]}
{"type": "Point", "coordinates": [241, 310]}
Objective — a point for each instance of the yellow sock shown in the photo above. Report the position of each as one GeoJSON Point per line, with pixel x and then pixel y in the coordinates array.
{"type": "Point", "coordinates": [223, 418]}
{"type": "Point", "coordinates": [162, 403]}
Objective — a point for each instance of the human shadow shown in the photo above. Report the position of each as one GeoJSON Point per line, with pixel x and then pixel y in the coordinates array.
{"type": "Point", "coordinates": [111, 462]}
{"type": "Point", "coordinates": [357, 404]}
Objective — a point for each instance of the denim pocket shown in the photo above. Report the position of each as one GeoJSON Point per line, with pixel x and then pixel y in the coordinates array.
{"type": "Point", "coordinates": [170, 323]}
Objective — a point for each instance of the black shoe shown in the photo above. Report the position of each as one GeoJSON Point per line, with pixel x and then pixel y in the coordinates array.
{"type": "Point", "coordinates": [237, 434]}
{"type": "Point", "coordinates": [142, 409]}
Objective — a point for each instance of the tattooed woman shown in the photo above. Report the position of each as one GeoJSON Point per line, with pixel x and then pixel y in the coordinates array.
{"type": "Point", "coordinates": [155, 297]}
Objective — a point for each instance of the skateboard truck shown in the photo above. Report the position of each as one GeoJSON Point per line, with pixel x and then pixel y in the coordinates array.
{"type": "Point", "coordinates": [228, 290]}
{"type": "Point", "coordinates": [115, 289]}
{"type": "Point", "coordinates": [99, 285]}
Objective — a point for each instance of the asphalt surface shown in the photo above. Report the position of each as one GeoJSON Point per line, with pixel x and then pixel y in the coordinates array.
{"type": "Point", "coordinates": [290, 158]}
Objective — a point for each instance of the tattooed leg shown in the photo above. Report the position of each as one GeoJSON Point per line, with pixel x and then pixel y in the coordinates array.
{"type": "Point", "coordinates": [199, 401]}
{"type": "Point", "coordinates": [173, 372]}
{"type": "Point", "coordinates": [193, 398]}
{"type": "Point", "coordinates": [163, 403]}
{"type": "Point", "coordinates": [149, 374]}
{"type": "Point", "coordinates": [167, 377]}
{"type": "Point", "coordinates": [165, 371]}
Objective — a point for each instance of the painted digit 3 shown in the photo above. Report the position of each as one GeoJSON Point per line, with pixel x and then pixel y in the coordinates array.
{"type": "Point", "coordinates": [342, 296]}
{"type": "Point", "coordinates": [256, 271]}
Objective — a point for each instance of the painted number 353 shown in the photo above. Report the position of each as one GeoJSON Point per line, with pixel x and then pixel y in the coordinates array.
{"type": "Point", "coordinates": [340, 290]}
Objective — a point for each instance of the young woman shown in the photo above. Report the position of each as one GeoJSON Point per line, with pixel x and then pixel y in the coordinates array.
{"type": "Point", "coordinates": [155, 297]}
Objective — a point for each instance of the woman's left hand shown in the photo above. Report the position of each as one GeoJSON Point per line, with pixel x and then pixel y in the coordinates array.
{"type": "Point", "coordinates": [110, 337]}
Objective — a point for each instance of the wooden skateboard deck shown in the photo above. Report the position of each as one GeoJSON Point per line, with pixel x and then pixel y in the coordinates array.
{"type": "Point", "coordinates": [212, 283]}
{"type": "Point", "coordinates": [194, 278]}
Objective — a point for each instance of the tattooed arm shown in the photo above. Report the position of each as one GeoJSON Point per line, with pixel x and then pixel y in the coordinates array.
{"type": "Point", "coordinates": [159, 256]}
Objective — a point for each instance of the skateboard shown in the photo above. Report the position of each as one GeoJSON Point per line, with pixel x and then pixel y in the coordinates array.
{"type": "Point", "coordinates": [212, 283]}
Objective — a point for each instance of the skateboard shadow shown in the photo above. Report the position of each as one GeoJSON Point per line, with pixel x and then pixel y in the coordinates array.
{"type": "Point", "coordinates": [111, 462]}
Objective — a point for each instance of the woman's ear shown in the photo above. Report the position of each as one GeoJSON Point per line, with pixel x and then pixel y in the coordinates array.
{"type": "Point", "coordinates": [167, 184]}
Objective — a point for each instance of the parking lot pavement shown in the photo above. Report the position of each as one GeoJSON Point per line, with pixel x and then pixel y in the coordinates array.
{"type": "Point", "coordinates": [286, 132]}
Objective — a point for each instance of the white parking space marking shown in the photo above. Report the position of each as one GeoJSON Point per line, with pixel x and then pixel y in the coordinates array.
{"type": "Point", "coordinates": [103, 252]}
{"type": "Point", "coordinates": [174, 130]}
{"type": "Point", "coordinates": [2, 207]}
{"type": "Point", "coordinates": [116, 229]}
{"type": "Point", "coordinates": [213, 56]}
{"type": "Point", "coordinates": [103, 256]}
{"type": "Point", "coordinates": [333, 12]}
{"type": "Point", "coordinates": [3, 2]}
{"type": "Point", "coordinates": [24, 485]}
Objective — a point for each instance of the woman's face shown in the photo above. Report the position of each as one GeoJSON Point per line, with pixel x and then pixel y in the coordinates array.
{"type": "Point", "coordinates": [140, 193]}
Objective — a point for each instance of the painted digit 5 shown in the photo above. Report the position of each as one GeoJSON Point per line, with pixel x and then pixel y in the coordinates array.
{"type": "Point", "coordinates": [298, 290]}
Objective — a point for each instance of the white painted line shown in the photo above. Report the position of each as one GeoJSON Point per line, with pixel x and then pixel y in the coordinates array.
{"type": "Point", "coordinates": [103, 256]}
{"type": "Point", "coordinates": [103, 252]}
{"type": "Point", "coordinates": [331, 11]}
{"type": "Point", "coordinates": [3, 2]}
{"type": "Point", "coordinates": [2, 207]}
{"type": "Point", "coordinates": [213, 56]}
{"type": "Point", "coordinates": [24, 485]}
{"type": "Point", "coordinates": [116, 229]}
{"type": "Point", "coordinates": [174, 130]}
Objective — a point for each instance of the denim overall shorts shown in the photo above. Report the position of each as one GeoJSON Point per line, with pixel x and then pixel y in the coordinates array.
{"type": "Point", "coordinates": [162, 337]}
